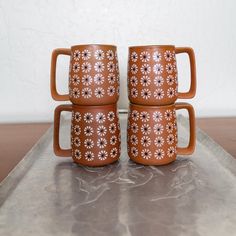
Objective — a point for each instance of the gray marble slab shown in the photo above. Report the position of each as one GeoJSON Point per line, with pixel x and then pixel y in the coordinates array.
{"type": "Point", "coordinates": [48, 195]}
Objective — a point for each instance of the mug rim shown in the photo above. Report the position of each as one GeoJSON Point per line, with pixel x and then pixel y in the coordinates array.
{"type": "Point", "coordinates": [153, 107]}
{"type": "Point", "coordinates": [93, 44]}
{"type": "Point", "coordinates": [152, 46]}
{"type": "Point", "coordinates": [93, 107]}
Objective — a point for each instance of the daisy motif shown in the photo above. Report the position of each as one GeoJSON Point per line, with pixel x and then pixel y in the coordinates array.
{"type": "Point", "coordinates": [88, 117]}
{"type": "Point", "coordinates": [86, 67]}
{"type": "Point", "coordinates": [134, 92]}
{"type": "Point", "coordinates": [77, 116]}
{"type": "Point", "coordinates": [168, 114]}
{"type": "Point", "coordinates": [156, 56]}
{"type": "Point", "coordinates": [170, 127]}
{"type": "Point", "coordinates": [111, 78]}
{"type": "Point", "coordinates": [99, 79]}
{"type": "Point", "coordinates": [144, 116]}
{"type": "Point", "coordinates": [86, 54]}
{"type": "Point", "coordinates": [77, 154]}
{"type": "Point", "coordinates": [175, 67]}
{"type": "Point", "coordinates": [170, 151]}
{"type": "Point", "coordinates": [100, 117]}
{"type": "Point", "coordinates": [134, 69]}
{"type": "Point", "coordinates": [77, 129]}
{"type": "Point", "coordinates": [88, 143]}
{"type": "Point", "coordinates": [134, 151]}
{"type": "Point", "coordinates": [86, 80]}
{"type": "Point", "coordinates": [117, 67]}
{"type": "Point", "coordinates": [134, 56]}
{"type": "Point", "coordinates": [145, 56]}
{"type": "Point", "coordinates": [113, 140]}
{"type": "Point", "coordinates": [159, 141]}
{"type": "Point", "coordinates": [145, 129]}
{"type": "Point", "coordinates": [170, 139]}
{"type": "Point", "coordinates": [146, 93]}
{"type": "Point", "coordinates": [134, 140]}
{"type": "Point", "coordinates": [157, 116]}
{"type": "Point", "coordinates": [110, 66]}
{"type": "Point", "coordinates": [101, 130]}
{"type": "Point", "coordinates": [111, 116]}
{"type": "Point", "coordinates": [170, 92]}
{"type": "Point", "coordinates": [145, 69]}
{"type": "Point", "coordinates": [89, 156]}
{"type": "Point", "coordinates": [159, 94]}
{"type": "Point", "coordinates": [159, 154]}
{"type": "Point", "coordinates": [99, 66]}
{"type": "Point", "coordinates": [102, 155]}
{"type": "Point", "coordinates": [145, 141]}
{"type": "Point", "coordinates": [114, 152]}
{"type": "Point", "coordinates": [168, 55]}
{"type": "Point", "coordinates": [75, 93]}
{"type": "Point", "coordinates": [86, 93]}
{"type": "Point", "coordinates": [76, 141]}
{"type": "Point", "coordinates": [169, 68]}
{"type": "Point", "coordinates": [88, 131]}
{"type": "Point", "coordinates": [112, 128]}
{"type": "Point", "coordinates": [111, 90]}
{"type": "Point", "coordinates": [145, 80]}
{"type": "Point", "coordinates": [135, 115]}
{"type": "Point", "coordinates": [158, 129]}
{"type": "Point", "coordinates": [158, 81]}
{"type": "Point", "coordinates": [110, 55]}
{"type": "Point", "coordinates": [99, 54]}
{"type": "Point", "coordinates": [158, 69]}
{"type": "Point", "coordinates": [76, 55]}
{"type": "Point", "coordinates": [176, 78]}
{"type": "Point", "coordinates": [75, 80]}
{"type": "Point", "coordinates": [134, 127]}
{"type": "Point", "coordinates": [170, 80]}
{"type": "Point", "coordinates": [146, 154]}
{"type": "Point", "coordinates": [99, 92]}
{"type": "Point", "coordinates": [102, 143]}
{"type": "Point", "coordinates": [133, 81]}
{"type": "Point", "coordinates": [76, 67]}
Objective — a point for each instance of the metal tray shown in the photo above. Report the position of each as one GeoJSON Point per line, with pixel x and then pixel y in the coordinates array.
{"type": "Point", "coordinates": [47, 195]}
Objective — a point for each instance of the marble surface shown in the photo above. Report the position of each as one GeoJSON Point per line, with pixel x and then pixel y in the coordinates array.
{"type": "Point", "coordinates": [47, 195]}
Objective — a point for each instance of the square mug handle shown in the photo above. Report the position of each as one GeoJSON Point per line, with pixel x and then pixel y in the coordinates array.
{"type": "Point", "coordinates": [192, 138]}
{"type": "Point", "coordinates": [55, 95]}
{"type": "Point", "coordinates": [56, 144]}
{"type": "Point", "coordinates": [192, 91]}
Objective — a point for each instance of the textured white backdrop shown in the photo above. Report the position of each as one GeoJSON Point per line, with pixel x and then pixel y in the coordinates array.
{"type": "Point", "coordinates": [31, 29]}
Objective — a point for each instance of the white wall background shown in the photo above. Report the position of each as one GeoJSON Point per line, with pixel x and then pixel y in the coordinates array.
{"type": "Point", "coordinates": [31, 29]}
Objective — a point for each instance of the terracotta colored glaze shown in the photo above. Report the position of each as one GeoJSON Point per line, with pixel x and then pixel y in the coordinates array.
{"type": "Point", "coordinates": [153, 77]}
{"type": "Point", "coordinates": [152, 133]}
{"type": "Point", "coordinates": [95, 134]}
{"type": "Point", "coordinates": [93, 75]}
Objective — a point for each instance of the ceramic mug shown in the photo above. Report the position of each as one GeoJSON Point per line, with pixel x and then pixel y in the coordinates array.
{"type": "Point", "coordinates": [93, 75]}
{"type": "Point", "coordinates": [152, 133]}
{"type": "Point", "coordinates": [153, 77]}
{"type": "Point", "coordinates": [95, 134]}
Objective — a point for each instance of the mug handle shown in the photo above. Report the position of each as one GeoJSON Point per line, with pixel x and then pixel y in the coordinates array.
{"type": "Point", "coordinates": [192, 91]}
{"type": "Point", "coordinates": [56, 145]}
{"type": "Point", "coordinates": [55, 95]}
{"type": "Point", "coordinates": [192, 139]}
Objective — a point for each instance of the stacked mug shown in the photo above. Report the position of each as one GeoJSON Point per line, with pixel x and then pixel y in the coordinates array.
{"type": "Point", "coordinates": [94, 92]}
{"type": "Point", "coordinates": [153, 89]}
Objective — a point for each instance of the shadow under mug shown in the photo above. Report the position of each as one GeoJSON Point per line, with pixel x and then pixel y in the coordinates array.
{"type": "Point", "coordinates": [93, 75]}
{"type": "Point", "coordinates": [153, 77]}
{"type": "Point", "coordinates": [152, 133]}
{"type": "Point", "coordinates": [95, 134]}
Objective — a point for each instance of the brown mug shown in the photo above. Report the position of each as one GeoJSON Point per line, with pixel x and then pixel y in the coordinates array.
{"type": "Point", "coordinates": [95, 134]}
{"type": "Point", "coordinates": [153, 77]}
{"type": "Point", "coordinates": [93, 75]}
{"type": "Point", "coordinates": [152, 133]}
